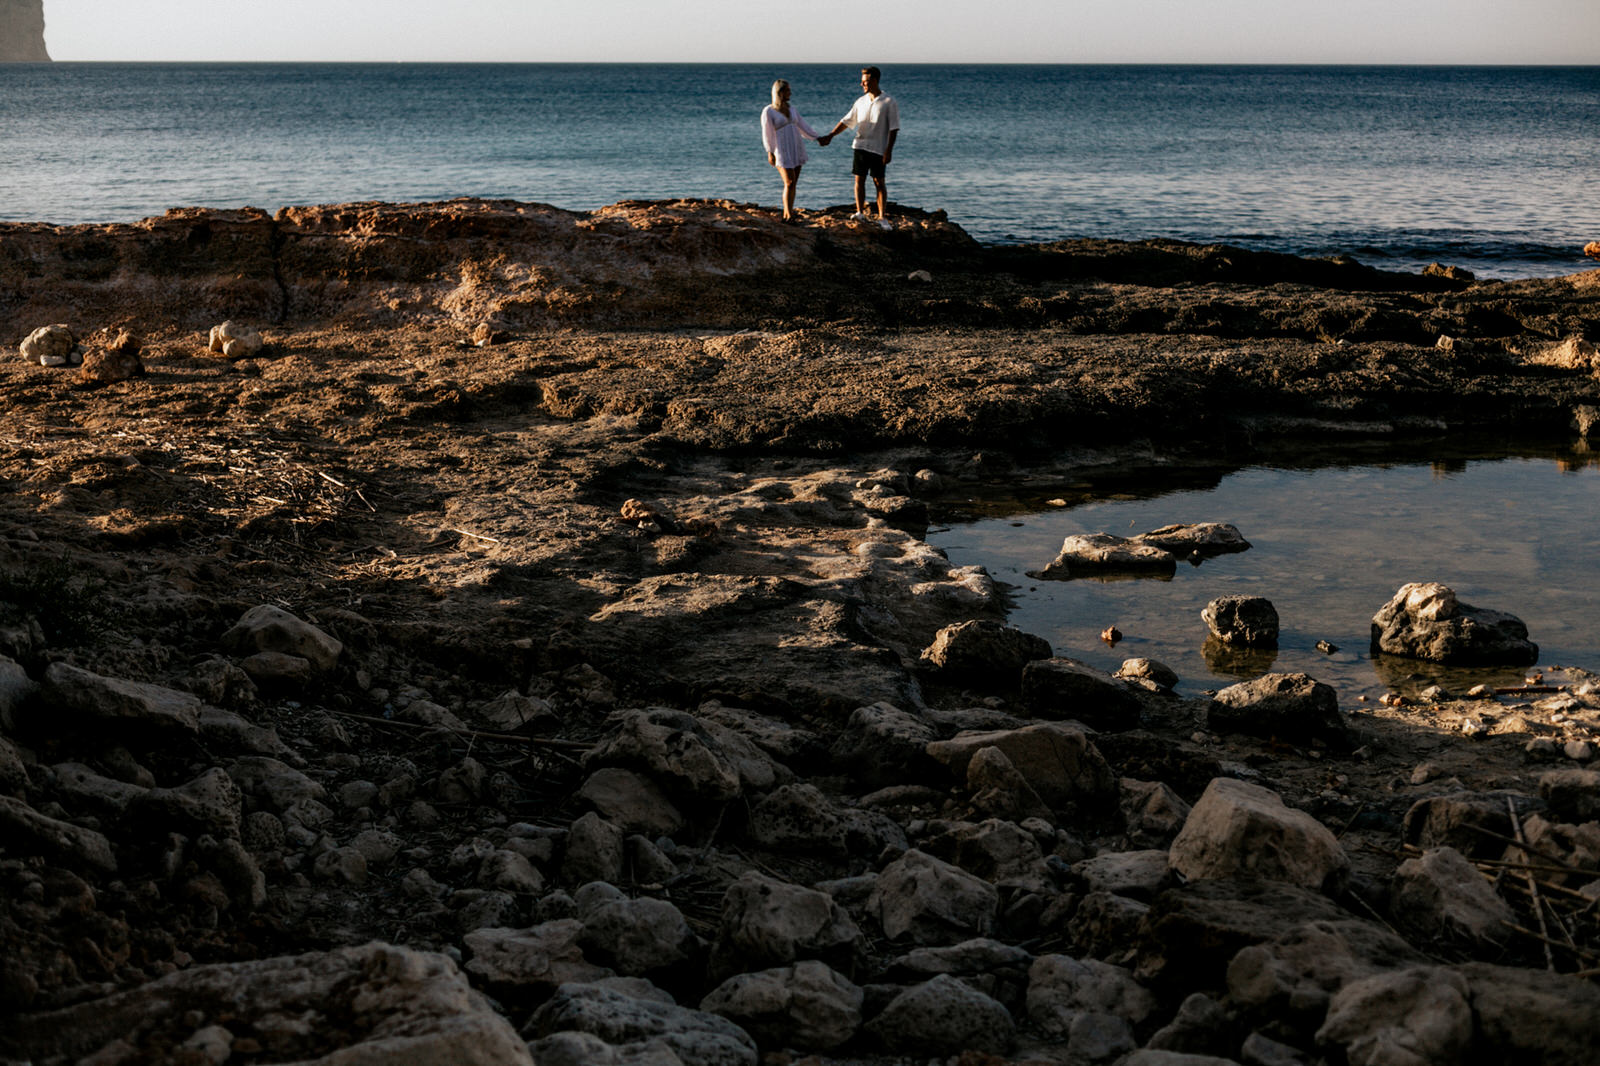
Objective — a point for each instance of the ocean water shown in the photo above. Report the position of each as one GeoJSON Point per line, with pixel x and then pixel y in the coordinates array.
{"type": "Point", "coordinates": [1493, 168]}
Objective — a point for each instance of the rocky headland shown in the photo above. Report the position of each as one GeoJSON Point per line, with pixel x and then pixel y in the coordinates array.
{"type": "Point", "coordinates": [22, 32]}
{"type": "Point", "coordinates": [481, 632]}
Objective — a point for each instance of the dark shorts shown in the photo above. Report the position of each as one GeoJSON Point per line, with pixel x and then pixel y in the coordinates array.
{"type": "Point", "coordinates": [864, 162]}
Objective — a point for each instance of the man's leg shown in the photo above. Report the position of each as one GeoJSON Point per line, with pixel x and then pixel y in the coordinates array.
{"type": "Point", "coordinates": [861, 194]}
{"type": "Point", "coordinates": [883, 196]}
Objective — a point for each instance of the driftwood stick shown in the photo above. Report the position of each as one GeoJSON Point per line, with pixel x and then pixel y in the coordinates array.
{"type": "Point", "coordinates": [1556, 860]}
{"type": "Point", "coordinates": [1525, 931]}
{"type": "Point", "coordinates": [1533, 887]}
{"type": "Point", "coordinates": [479, 734]}
{"type": "Point", "coordinates": [474, 536]}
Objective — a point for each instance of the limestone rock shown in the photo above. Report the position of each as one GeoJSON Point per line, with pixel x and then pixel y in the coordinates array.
{"type": "Point", "coordinates": [632, 801]}
{"type": "Point", "coordinates": [768, 923]}
{"type": "Point", "coordinates": [1056, 758]}
{"type": "Point", "coordinates": [1060, 988]}
{"type": "Point", "coordinates": [1528, 1015]}
{"type": "Point", "coordinates": [1426, 621]}
{"type": "Point", "coordinates": [1291, 978]}
{"type": "Point", "coordinates": [115, 703]}
{"type": "Point", "coordinates": [638, 936]}
{"type": "Point", "coordinates": [1439, 895]}
{"type": "Point", "coordinates": [883, 745]}
{"type": "Point", "coordinates": [109, 360]}
{"type": "Point", "coordinates": [71, 845]}
{"type": "Point", "coordinates": [1247, 621]}
{"type": "Point", "coordinates": [16, 690]}
{"type": "Point", "coordinates": [923, 899]}
{"type": "Point", "coordinates": [999, 789]}
{"type": "Point", "coordinates": [1420, 1015]}
{"type": "Point", "coordinates": [1156, 675]}
{"type": "Point", "coordinates": [1067, 688]}
{"type": "Point", "coordinates": [1137, 874]}
{"type": "Point", "coordinates": [940, 1016]}
{"type": "Point", "coordinates": [1198, 538]}
{"type": "Point", "coordinates": [22, 32]}
{"type": "Point", "coordinates": [671, 747]}
{"type": "Point", "coordinates": [1242, 830]}
{"type": "Point", "coordinates": [594, 851]}
{"type": "Point", "coordinates": [49, 345]}
{"type": "Point", "coordinates": [269, 628]}
{"type": "Point", "coordinates": [1572, 794]}
{"type": "Point", "coordinates": [984, 652]}
{"type": "Point", "coordinates": [355, 1006]}
{"type": "Point", "coordinates": [623, 1021]}
{"type": "Point", "coordinates": [805, 1006]}
{"type": "Point", "coordinates": [1291, 707]}
{"type": "Point", "coordinates": [1152, 812]}
{"type": "Point", "coordinates": [234, 340]}
{"type": "Point", "coordinates": [1084, 555]}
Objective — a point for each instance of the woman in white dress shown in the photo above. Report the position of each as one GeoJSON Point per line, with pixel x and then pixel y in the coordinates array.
{"type": "Point", "coordinates": [781, 131]}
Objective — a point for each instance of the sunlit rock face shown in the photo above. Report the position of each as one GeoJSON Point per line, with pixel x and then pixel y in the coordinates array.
{"type": "Point", "coordinates": [22, 32]}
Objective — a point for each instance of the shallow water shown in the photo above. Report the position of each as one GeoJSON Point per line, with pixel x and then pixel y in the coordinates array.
{"type": "Point", "coordinates": [1330, 545]}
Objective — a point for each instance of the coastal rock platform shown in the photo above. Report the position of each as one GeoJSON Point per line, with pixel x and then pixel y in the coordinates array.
{"type": "Point", "coordinates": [546, 598]}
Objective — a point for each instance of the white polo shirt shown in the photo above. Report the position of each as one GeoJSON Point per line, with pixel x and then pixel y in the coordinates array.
{"type": "Point", "coordinates": [872, 117]}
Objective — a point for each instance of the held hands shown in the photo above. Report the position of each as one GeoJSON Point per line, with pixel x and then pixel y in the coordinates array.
{"type": "Point", "coordinates": [824, 139]}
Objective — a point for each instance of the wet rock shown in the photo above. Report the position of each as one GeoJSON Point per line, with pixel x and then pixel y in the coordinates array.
{"type": "Point", "coordinates": [623, 1022]}
{"type": "Point", "coordinates": [806, 1006]}
{"type": "Point", "coordinates": [1420, 1015]}
{"type": "Point", "coordinates": [941, 1015]}
{"type": "Point", "coordinates": [1440, 896]}
{"type": "Point", "coordinates": [1067, 688]}
{"type": "Point", "coordinates": [1289, 707]}
{"type": "Point", "coordinates": [927, 901]}
{"type": "Point", "coordinates": [1243, 830]}
{"type": "Point", "coordinates": [118, 704]}
{"type": "Point", "coordinates": [673, 749]}
{"type": "Point", "coordinates": [767, 923]}
{"type": "Point", "coordinates": [1086, 555]}
{"type": "Point", "coordinates": [631, 801]}
{"type": "Point", "coordinates": [272, 629]}
{"type": "Point", "coordinates": [1198, 538]}
{"type": "Point", "coordinates": [1246, 621]}
{"type": "Point", "coordinates": [1426, 621]}
{"type": "Point", "coordinates": [1157, 676]}
{"type": "Point", "coordinates": [374, 1003]}
{"type": "Point", "coordinates": [63, 842]}
{"type": "Point", "coordinates": [984, 652]}
{"type": "Point", "coordinates": [1056, 758]}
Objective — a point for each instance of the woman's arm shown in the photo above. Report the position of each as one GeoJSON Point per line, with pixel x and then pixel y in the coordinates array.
{"type": "Point", "coordinates": [769, 130]}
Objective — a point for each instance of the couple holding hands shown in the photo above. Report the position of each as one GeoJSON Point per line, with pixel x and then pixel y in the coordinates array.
{"type": "Point", "coordinates": [876, 119]}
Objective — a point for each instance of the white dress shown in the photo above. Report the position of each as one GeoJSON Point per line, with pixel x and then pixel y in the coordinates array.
{"type": "Point", "coordinates": [781, 136]}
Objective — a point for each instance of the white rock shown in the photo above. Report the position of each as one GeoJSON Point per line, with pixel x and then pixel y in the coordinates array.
{"type": "Point", "coordinates": [49, 345]}
{"type": "Point", "coordinates": [1240, 830]}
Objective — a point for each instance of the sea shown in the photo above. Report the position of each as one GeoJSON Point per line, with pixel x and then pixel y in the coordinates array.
{"type": "Point", "coordinates": [1494, 169]}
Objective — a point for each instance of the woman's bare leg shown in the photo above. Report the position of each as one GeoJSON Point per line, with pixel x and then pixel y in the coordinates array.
{"type": "Point", "coordinates": [791, 178]}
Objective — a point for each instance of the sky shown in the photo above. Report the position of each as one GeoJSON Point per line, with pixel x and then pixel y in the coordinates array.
{"type": "Point", "coordinates": [829, 31]}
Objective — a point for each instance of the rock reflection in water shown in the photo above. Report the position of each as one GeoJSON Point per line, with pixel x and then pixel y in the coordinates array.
{"type": "Point", "coordinates": [1228, 660]}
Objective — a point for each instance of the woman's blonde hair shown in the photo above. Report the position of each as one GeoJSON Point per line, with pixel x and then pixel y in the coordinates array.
{"type": "Point", "coordinates": [778, 85]}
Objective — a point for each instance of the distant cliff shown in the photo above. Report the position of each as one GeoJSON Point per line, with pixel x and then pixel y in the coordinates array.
{"type": "Point", "coordinates": [22, 32]}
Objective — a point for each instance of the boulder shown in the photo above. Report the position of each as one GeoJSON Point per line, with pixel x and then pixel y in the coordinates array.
{"type": "Point", "coordinates": [272, 629]}
{"type": "Point", "coordinates": [1136, 874]}
{"type": "Point", "coordinates": [1527, 1015]}
{"type": "Point", "coordinates": [1420, 1015]}
{"type": "Point", "coordinates": [211, 803]}
{"type": "Point", "coordinates": [594, 851]}
{"type": "Point", "coordinates": [1289, 707]}
{"type": "Point", "coordinates": [999, 789]}
{"type": "Point", "coordinates": [52, 345]}
{"type": "Point", "coordinates": [112, 702]}
{"type": "Point", "coordinates": [1067, 688]}
{"type": "Point", "coordinates": [671, 747]}
{"type": "Point", "coordinates": [1426, 621]}
{"type": "Point", "coordinates": [234, 340]}
{"type": "Point", "coordinates": [1240, 830]}
{"type": "Point", "coordinates": [984, 652]}
{"type": "Point", "coordinates": [625, 1022]}
{"type": "Point", "coordinates": [1572, 794]}
{"type": "Point", "coordinates": [1152, 813]}
{"type": "Point", "coordinates": [632, 801]}
{"type": "Point", "coordinates": [927, 901]}
{"type": "Point", "coordinates": [16, 690]}
{"type": "Point", "coordinates": [110, 360]}
{"type": "Point", "coordinates": [1245, 621]}
{"type": "Point", "coordinates": [1148, 673]}
{"type": "Point", "coordinates": [1196, 538]}
{"type": "Point", "coordinates": [62, 842]}
{"type": "Point", "coordinates": [1056, 758]}
{"type": "Point", "coordinates": [355, 1006]}
{"type": "Point", "coordinates": [639, 936]}
{"type": "Point", "coordinates": [1289, 979]}
{"type": "Point", "coordinates": [883, 745]}
{"type": "Point", "coordinates": [1439, 896]}
{"type": "Point", "coordinates": [942, 1016]}
{"type": "Point", "coordinates": [1088, 555]}
{"type": "Point", "coordinates": [1477, 824]}
{"type": "Point", "coordinates": [1060, 988]}
{"type": "Point", "coordinates": [806, 1006]}
{"type": "Point", "coordinates": [768, 923]}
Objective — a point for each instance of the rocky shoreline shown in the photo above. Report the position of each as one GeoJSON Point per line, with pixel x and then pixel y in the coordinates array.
{"type": "Point", "coordinates": [529, 652]}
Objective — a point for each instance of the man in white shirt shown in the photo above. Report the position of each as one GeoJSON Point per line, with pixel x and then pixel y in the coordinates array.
{"type": "Point", "coordinates": [876, 119]}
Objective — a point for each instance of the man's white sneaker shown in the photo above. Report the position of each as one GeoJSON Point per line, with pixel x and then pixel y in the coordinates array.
{"type": "Point", "coordinates": [859, 216]}
{"type": "Point", "coordinates": [884, 223]}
